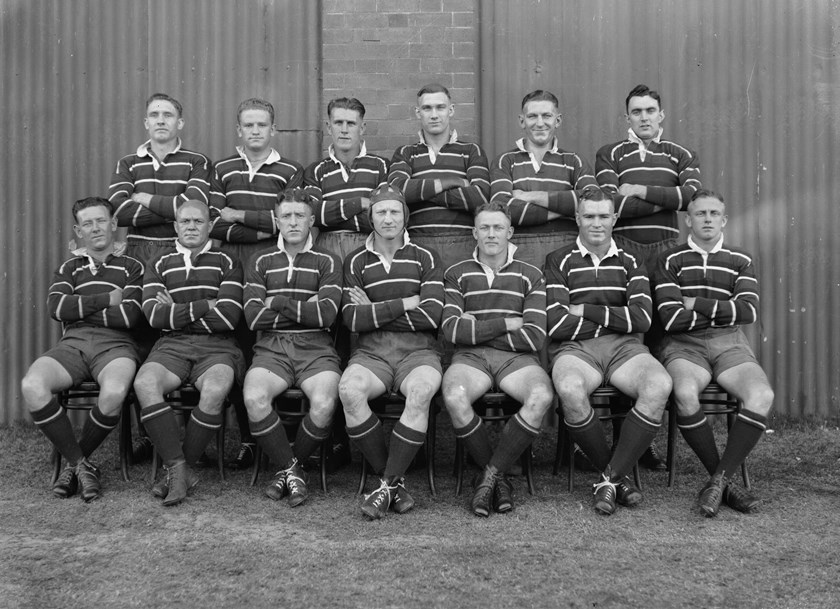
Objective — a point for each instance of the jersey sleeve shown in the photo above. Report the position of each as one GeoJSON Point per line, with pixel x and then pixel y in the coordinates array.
{"type": "Point", "coordinates": [198, 188]}
{"type": "Point", "coordinates": [323, 312]}
{"type": "Point", "coordinates": [65, 305]}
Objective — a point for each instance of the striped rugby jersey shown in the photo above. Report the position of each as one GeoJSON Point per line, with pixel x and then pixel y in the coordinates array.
{"type": "Point", "coordinates": [671, 174]}
{"type": "Point", "coordinates": [182, 176]}
{"type": "Point", "coordinates": [414, 271]}
{"type": "Point", "coordinates": [563, 174]}
{"type": "Point", "coordinates": [517, 289]}
{"type": "Point", "coordinates": [414, 169]}
{"type": "Point", "coordinates": [192, 282]}
{"type": "Point", "coordinates": [78, 296]}
{"type": "Point", "coordinates": [235, 183]}
{"type": "Point", "coordinates": [723, 282]}
{"type": "Point", "coordinates": [615, 293]}
{"type": "Point", "coordinates": [339, 190]}
{"type": "Point", "coordinates": [292, 282]}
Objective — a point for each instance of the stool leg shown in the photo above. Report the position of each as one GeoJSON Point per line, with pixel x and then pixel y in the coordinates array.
{"type": "Point", "coordinates": [324, 465]}
{"type": "Point", "coordinates": [255, 470]}
{"type": "Point", "coordinates": [571, 451]}
{"type": "Point", "coordinates": [671, 456]}
{"type": "Point", "coordinates": [125, 438]}
{"type": "Point", "coordinates": [527, 466]}
{"type": "Point", "coordinates": [459, 465]}
{"type": "Point", "coordinates": [362, 476]}
{"type": "Point", "coordinates": [430, 449]}
{"type": "Point", "coordinates": [55, 459]}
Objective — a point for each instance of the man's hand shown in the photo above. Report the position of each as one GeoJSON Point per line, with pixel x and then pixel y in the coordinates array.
{"type": "Point", "coordinates": [411, 303]}
{"type": "Point", "coordinates": [365, 203]}
{"type": "Point", "coordinates": [143, 198]}
{"type": "Point", "coordinates": [115, 297]}
{"type": "Point", "coordinates": [512, 324]}
{"type": "Point", "coordinates": [537, 197]}
{"type": "Point", "coordinates": [232, 215]}
{"type": "Point", "coordinates": [688, 302]}
{"type": "Point", "coordinates": [261, 235]}
{"type": "Point", "coordinates": [444, 184]}
{"type": "Point", "coordinates": [633, 190]}
{"type": "Point", "coordinates": [576, 309]}
{"type": "Point", "coordinates": [212, 302]}
{"type": "Point", "coordinates": [358, 296]}
{"type": "Point", "coordinates": [469, 316]}
{"type": "Point", "coordinates": [164, 298]}
{"type": "Point", "coordinates": [267, 302]}
{"type": "Point", "coordinates": [313, 298]}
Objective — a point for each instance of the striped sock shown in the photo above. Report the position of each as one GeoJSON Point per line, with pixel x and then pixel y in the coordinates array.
{"type": "Point", "coordinates": [637, 433]}
{"type": "Point", "coordinates": [474, 435]}
{"type": "Point", "coordinates": [745, 433]}
{"type": "Point", "coordinates": [270, 434]}
{"type": "Point", "coordinates": [309, 437]}
{"type": "Point", "coordinates": [164, 431]}
{"type": "Point", "coordinates": [96, 429]}
{"type": "Point", "coordinates": [405, 442]}
{"type": "Point", "coordinates": [698, 435]}
{"type": "Point", "coordinates": [589, 435]}
{"type": "Point", "coordinates": [370, 439]}
{"type": "Point", "coordinates": [200, 430]}
{"type": "Point", "coordinates": [53, 421]}
{"type": "Point", "coordinates": [517, 436]}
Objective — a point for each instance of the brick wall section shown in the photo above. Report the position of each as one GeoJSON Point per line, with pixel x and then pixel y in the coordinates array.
{"type": "Point", "coordinates": [383, 51]}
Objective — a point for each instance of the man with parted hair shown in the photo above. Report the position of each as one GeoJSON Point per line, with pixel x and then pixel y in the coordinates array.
{"type": "Point", "coordinates": [494, 313]}
{"type": "Point", "coordinates": [539, 181]}
{"type": "Point", "coordinates": [599, 304]}
{"type": "Point", "coordinates": [244, 189]}
{"type": "Point", "coordinates": [341, 183]}
{"type": "Point", "coordinates": [706, 291]}
{"type": "Point", "coordinates": [96, 296]}
{"type": "Point", "coordinates": [393, 297]}
{"type": "Point", "coordinates": [194, 296]}
{"type": "Point", "coordinates": [443, 178]}
{"type": "Point", "coordinates": [292, 296]}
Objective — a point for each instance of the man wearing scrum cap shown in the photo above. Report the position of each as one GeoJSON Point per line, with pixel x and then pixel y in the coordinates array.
{"type": "Point", "coordinates": [393, 298]}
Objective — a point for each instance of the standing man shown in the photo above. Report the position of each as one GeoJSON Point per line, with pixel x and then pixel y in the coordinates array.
{"type": "Point", "coordinates": [650, 179]}
{"type": "Point", "coordinates": [539, 182]}
{"type": "Point", "coordinates": [494, 313]}
{"type": "Point", "coordinates": [244, 189]}
{"type": "Point", "coordinates": [393, 297]}
{"type": "Point", "coordinates": [342, 182]}
{"type": "Point", "coordinates": [146, 190]}
{"type": "Point", "coordinates": [598, 305]}
{"type": "Point", "coordinates": [444, 180]}
{"type": "Point", "coordinates": [96, 296]}
{"type": "Point", "coordinates": [292, 297]}
{"type": "Point", "coordinates": [194, 296]}
{"type": "Point", "coordinates": [705, 292]}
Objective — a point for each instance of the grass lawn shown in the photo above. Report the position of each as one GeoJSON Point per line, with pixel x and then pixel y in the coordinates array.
{"type": "Point", "coordinates": [228, 546]}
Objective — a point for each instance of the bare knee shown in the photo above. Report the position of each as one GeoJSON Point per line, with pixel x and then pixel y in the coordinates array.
{"type": "Point", "coordinates": [112, 396]}
{"type": "Point", "coordinates": [655, 389]}
{"type": "Point", "coordinates": [457, 401]}
{"type": "Point", "coordinates": [322, 408]}
{"type": "Point", "coordinates": [353, 394]}
{"type": "Point", "coordinates": [760, 400]}
{"type": "Point", "coordinates": [148, 387]}
{"type": "Point", "coordinates": [257, 402]}
{"type": "Point", "coordinates": [34, 392]}
{"type": "Point", "coordinates": [570, 389]}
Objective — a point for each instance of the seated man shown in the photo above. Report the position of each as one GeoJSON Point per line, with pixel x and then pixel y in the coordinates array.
{"type": "Point", "coordinates": [194, 296]}
{"type": "Point", "coordinates": [494, 313]}
{"type": "Point", "coordinates": [705, 291]}
{"type": "Point", "coordinates": [393, 297]}
{"type": "Point", "coordinates": [243, 190]}
{"type": "Point", "coordinates": [96, 296]}
{"type": "Point", "coordinates": [598, 307]}
{"type": "Point", "coordinates": [292, 297]}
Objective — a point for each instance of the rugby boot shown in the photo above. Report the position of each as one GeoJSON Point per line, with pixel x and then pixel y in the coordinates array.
{"type": "Point", "coordinates": [88, 477]}
{"type": "Point", "coordinates": [178, 477]}
{"type": "Point", "coordinates": [245, 457]}
{"type": "Point", "coordinates": [277, 489]}
{"type": "Point", "coordinates": [296, 480]}
{"type": "Point", "coordinates": [739, 498]}
{"type": "Point", "coordinates": [67, 483]}
{"type": "Point", "coordinates": [403, 501]}
{"type": "Point", "coordinates": [651, 460]}
{"type": "Point", "coordinates": [503, 495]}
{"type": "Point", "coordinates": [711, 495]}
{"type": "Point", "coordinates": [161, 487]}
{"type": "Point", "coordinates": [485, 484]}
{"type": "Point", "coordinates": [627, 493]}
{"type": "Point", "coordinates": [376, 504]}
{"type": "Point", "coordinates": [604, 494]}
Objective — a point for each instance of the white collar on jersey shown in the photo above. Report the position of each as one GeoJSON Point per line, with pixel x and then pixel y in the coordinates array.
{"type": "Point", "coordinates": [693, 245]}
{"type": "Point", "coordinates": [281, 244]}
{"type": "Point", "coordinates": [186, 253]}
{"type": "Point", "coordinates": [631, 136]}
{"type": "Point", "coordinates": [344, 174]}
{"type": "Point", "coordinates": [119, 250]}
{"type": "Point", "coordinates": [145, 149]}
{"type": "Point", "coordinates": [613, 251]}
{"type": "Point", "coordinates": [488, 271]}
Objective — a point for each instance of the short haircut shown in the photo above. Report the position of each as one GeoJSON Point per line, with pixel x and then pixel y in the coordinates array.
{"type": "Point", "coordinates": [296, 194]}
{"type": "Point", "coordinates": [346, 103]}
{"type": "Point", "coordinates": [193, 203]}
{"type": "Point", "coordinates": [433, 88]}
{"type": "Point", "coordinates": [165, 97]}
{"type": "Point", "coordinates": [540, 95]}
{"type": "Point", "coordinates": [255, 103]}
{"type": "Point", "coordinates": [706, 192]}
{"type": "Point", "coordinates": [491, 207]}
{"type": "Point", "coordinates": [595, 193]}
{"type": "Point", "coordinates": [91, 202]}
{"type": "Point", "coordinates": [641, 91]}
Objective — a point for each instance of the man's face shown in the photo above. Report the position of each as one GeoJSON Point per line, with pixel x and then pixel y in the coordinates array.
{"type": "Point", "coordinates": [492, 232]}
{"type": "Point", "coordinates": [346, 129]}
{"type": "Point", "coordinates": [95, 228]}
{"type": "Point", "coordinates": [595, 220]}
{"type": "Point", "coordinates": [255, 130]}
{"type": "Point", "coordinates": [644, 116]}
{"type": "Point", "coordinates": [294, 219]}
{"type": "Point", "coordinates": [539, 120]}
{"type": "Point", "coordinates": [162, 121]}
{"type": "Point", "coordinates": [192, 223]}
{"type": "Point", "coordinates": [434, 111]}
{"type": "Point", "coordinates": [388, 219]}
{"type": "Point", "coordinates": [706, 219]}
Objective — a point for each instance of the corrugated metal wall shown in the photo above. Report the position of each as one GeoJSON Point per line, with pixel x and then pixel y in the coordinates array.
{"type": "Point", "coordinates": [752, 86]}
{"type": "Point", "coordinates": [74, 79]}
